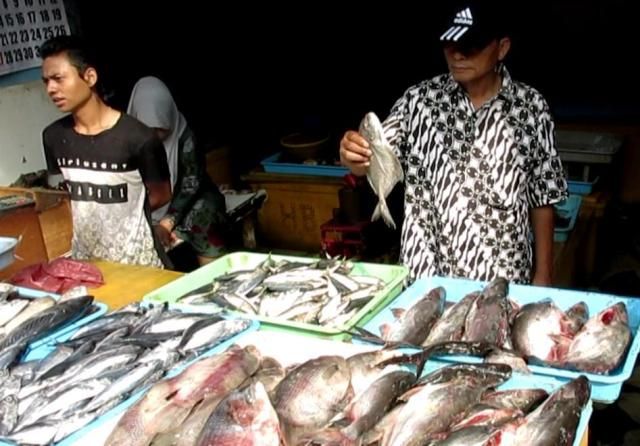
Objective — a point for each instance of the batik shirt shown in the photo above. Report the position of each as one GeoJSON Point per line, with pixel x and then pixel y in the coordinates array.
{"type": "Point", "coordinates": [472, 176]}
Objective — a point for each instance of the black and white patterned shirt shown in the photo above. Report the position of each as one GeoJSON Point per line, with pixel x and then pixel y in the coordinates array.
{"type": "Point", "coordinates": [471, 177]}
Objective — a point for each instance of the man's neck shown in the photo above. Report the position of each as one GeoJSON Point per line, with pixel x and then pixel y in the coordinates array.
{"type": "Point", "coordinates": [94, 117]}
{"type": "Point", "coordinates": [483, 89]}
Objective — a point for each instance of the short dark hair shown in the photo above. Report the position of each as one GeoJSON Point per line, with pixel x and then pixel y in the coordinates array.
{"type": "Point", "coordinates": [77, 51]}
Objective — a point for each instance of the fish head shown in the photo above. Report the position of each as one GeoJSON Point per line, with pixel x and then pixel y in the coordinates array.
{"type": "Point", "coordinates": [498, 286]}
{"type": "Point", "coordinates": [615, 314]}
{"type": "Point", "coordinates": [370, 126]}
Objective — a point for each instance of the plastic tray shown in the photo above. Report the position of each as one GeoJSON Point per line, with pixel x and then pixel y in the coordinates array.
{"type": "Point", "coordinates": [300, 349]}
{"type": "Point", "coordinates": [569, 208]}
{"type": "Point", "coordinates": [605, 388]}
{"type": "Point", "coordinates": [39, 348]}
{"type": "Point", "coordinates": [392, 275]}
{"type": "Point", "coordinates": [587, 147]}
{"type": "Point", "coordinates": [7, 249]}
{"type": "Point", "coordinates": [271, 165]}
{"type": "Point", "coordinates": [82, 436]}
{"type": "Point", "coordinates": [581, 187]}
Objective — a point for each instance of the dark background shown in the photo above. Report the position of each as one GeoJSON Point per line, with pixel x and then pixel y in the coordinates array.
{"type": "Point", "coordinates": [246, 74]}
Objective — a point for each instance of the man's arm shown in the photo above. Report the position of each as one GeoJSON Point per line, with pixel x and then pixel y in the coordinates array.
{"type": "Point", "coordinates": [152, 163]}
{"type": "Point", "coordinates": [542, 220]}
{"type": "Point", "coordinates": [159, 194]}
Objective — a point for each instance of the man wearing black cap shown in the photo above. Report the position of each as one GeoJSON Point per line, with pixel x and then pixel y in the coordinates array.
{"type": "Point", "coordinates": [478, 152]}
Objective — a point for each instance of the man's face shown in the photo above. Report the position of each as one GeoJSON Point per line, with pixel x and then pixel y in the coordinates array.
{"type": "Point", "coordinates": [469, 65]}
{"type": "Point", "coordinates": [65, 86]}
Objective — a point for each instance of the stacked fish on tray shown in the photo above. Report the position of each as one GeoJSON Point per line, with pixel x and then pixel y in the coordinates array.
{"type": "Point", "coordinates": [104, 362]}
{"type": "Point", "coordinates": [321, 293]}
{"type": "Point", "coordinates": [239, 397]}
{"type": "Point", "coordinates": [536, 333]}
{"type": "Point", "coordinates": [24, 321]}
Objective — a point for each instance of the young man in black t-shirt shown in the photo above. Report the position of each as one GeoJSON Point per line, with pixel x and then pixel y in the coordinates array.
{"type": "Point", "coordinates": [114, 167]}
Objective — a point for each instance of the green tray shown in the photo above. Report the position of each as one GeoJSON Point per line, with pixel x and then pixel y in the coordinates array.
{"type": "Point", "coordinates": [392, 275]}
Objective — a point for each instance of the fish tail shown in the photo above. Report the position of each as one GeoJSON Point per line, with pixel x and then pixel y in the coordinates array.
{"type": "Point", "coordinates": [382, 210]}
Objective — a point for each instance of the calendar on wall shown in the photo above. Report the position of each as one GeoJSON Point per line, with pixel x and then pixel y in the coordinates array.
{"type": "Point", "coordinates": [24, 26]}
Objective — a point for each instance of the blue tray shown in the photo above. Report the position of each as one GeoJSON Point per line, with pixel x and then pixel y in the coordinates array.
{"type": "Point", "coordinates": [569, 208]}
{"type": "Point", "coordinates": [605, 388]}
{"type": "Point", "coordinates": [271, 165]}
{"type": "Point", "coordinates": [41, 347]}
{"type": "Point", "coordinates": [581, 187]}
{"type": "Point", "coordinates": [86, 431]}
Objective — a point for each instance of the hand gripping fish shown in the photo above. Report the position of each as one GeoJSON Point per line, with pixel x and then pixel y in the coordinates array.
{"type": "Point", "coordinates": [385, 169]}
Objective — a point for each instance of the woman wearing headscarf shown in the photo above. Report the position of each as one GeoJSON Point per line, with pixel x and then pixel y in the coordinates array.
{"type": "Point", "coordinates": [196, 213]}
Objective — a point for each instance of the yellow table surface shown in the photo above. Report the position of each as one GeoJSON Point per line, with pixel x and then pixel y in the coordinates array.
{"type": "Point", "coordinates": [125, 284]}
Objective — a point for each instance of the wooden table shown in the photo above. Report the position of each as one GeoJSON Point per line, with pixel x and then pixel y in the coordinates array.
{"type": "Point", "coordinates": [125, 284]}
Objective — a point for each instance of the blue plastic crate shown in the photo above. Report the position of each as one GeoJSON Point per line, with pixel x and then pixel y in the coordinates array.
{"type": "Point", "coordinates": [82, 436]}
{"type": "Point", "coordinates": [569, 209]}
{"type": "Point", "coordinates": [581, 187]}
{"type": "Point", "coordinates": [272, 165]}
{"type": "Point", "coordinates": [605, 388]}
{"type": "Point", "coordinates": [41, 347]}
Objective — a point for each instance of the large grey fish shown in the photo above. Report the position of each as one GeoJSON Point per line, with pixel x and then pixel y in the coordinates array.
{"type": "Point", "coordinates": [488, 317]}
{"type": "Point", "coordinates": [244, 417]}
{"type": "Point", "coordinates": [450, 327]}
{"type": "Point", "coordinates": [412, 326]}
{"type": "Point", "coordinates": [541, 330]}
{"type": "Point", "coordinates": [441, 399]}
{"type": "Point", "coordinates": [168, 403]}
{"type": "Point", "coordinates": [312, 394]}
{"type": "Point", "coordinates": [602, 343]}
{"type": "Point", "coordinates": [385, 169]}
{"type": "Point", "coordinates": [553, 423]}
{"type": "Point", "coordinates": [364, 412]}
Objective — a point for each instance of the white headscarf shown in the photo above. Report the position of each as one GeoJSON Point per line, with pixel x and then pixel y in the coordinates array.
{"type": "Point", "coordinates": [152, 104]}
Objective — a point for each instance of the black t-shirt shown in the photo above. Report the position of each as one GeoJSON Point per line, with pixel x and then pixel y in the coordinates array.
{"type": "Point", "coordinates": [106, 175]}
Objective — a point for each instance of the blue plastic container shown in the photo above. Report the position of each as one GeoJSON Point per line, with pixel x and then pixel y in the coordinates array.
{"type": "Point", "coordinates": [605, 388]}
{"type": "Point", "coordinates": [82, 436]}
{"type": "Point", "coordinates": [568, 209]}
{"type": "Point", "coordinates": [272, 165]}
{"type": "Point", "coordinates": [41, 347]}
{"type": "Point", "coordinates": [581, 187]}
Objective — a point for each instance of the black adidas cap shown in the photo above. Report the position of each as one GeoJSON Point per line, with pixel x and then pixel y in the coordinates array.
{"type": "Point", "coordinates": [475, 23]}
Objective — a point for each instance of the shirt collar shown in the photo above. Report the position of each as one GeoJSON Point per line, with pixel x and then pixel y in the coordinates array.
{"type": "Point", "coordinates": [507, 91]}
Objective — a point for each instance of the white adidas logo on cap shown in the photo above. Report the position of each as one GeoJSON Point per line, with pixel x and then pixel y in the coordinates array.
{"type": "Point", "coordinates": [462, 21]}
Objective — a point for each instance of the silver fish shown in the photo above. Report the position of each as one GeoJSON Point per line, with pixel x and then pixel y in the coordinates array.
{"type": "Point", "coordinates": [385, 169]}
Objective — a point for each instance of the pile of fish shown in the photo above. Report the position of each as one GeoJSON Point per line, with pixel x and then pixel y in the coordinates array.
{"type": "Point", "coordinates": [104, 362]}
{"type": "Point", "coordinates": [24, 321]}
{"type": "Point", "coordinates": [322, 293]}
{"type": "Point", "coordinates": [239, 397]}
{"type": "Point", "coordinates": [536, 333]}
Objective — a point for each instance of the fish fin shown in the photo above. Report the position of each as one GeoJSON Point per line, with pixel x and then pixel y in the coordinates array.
{"type": "Point", "coordinates": [398, 312]}
{"type": "Point", "coordinates": [384, 330]}
{"type": "Point", "coordinates": [382, 210]}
